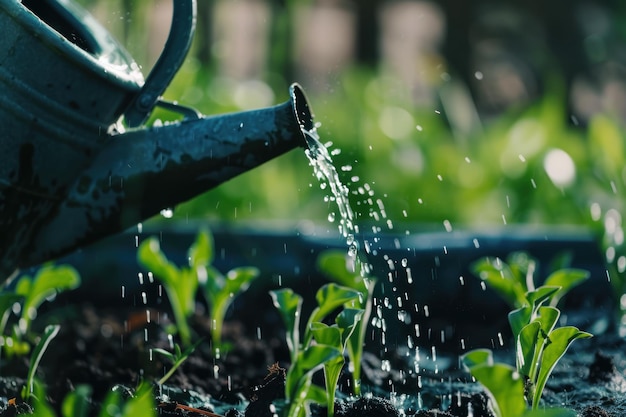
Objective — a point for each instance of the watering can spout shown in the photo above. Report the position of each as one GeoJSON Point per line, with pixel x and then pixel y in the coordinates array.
{"type": "Point", "coordinates": [143, 171]}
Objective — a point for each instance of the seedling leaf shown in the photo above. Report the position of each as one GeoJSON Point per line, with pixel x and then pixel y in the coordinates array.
{"type": "Point", "coordinates": [526, 347]}
{"type": "Point", "coordinates": [499, 276]}
{"type": "Point", "coordinates": [335, 265]}
{"type": "Point", "coordinates": [308, 361]}
{"type": "Point", "coordinates": [520, 318]}
{"type": "Point", "coordinates": [201, 251]}
{"type": "Point", "coordinates": [559, 341]}
{"type": "Point", "coordinates": [541, 295]}
{"type": "Point", "coordinates": [49, 333]}
{"type": "Point", "coordinates": [566, 279]}
{"type": "Point", "coordinates": [49, 280]}
{"type": "Point", "coordinates": [503, 384]}
{"type": "Point", "coordinates": [289, 305]}
{"type": "Point", "coordinates": [330, 297]}
{"type": "Point", "coordinates": [548, 316]}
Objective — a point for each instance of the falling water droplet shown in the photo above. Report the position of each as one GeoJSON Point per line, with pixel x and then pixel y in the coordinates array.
{"type": "Point", "coordinates": [168, 213]}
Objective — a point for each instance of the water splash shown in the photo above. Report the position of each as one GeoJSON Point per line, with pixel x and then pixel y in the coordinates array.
{"type": "Point", "coordinates": [325, 172]}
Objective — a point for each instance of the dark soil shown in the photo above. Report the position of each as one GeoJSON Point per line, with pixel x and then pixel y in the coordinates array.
{"type": "Point", "coordinates": [106, 348]}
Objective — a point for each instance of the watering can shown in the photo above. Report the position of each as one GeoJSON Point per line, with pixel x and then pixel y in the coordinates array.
{"type": "Point", "coordinates": [77, 162]}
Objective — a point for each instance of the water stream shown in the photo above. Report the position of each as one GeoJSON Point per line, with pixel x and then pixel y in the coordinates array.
{"type": "Point", "coordinates": [394, 304]}
{"type": "Point", "coordinates": [326, 173]}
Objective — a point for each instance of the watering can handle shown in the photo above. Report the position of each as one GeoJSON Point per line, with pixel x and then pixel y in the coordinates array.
{"type": "Point", "coordinates": [172, 57]}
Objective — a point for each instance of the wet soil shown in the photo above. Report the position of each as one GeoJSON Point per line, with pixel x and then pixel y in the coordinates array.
{"type": "Point", "coordinates": [109, 348]}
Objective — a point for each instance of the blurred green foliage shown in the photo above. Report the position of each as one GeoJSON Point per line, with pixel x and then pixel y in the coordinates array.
{"type": "Point", "coordinates": [529, 165]}
{"type": "Point", "coordinates": [422, 167]}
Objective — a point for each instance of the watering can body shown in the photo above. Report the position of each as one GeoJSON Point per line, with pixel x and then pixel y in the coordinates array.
{"type": "Point", "coordinates": [70, 171]}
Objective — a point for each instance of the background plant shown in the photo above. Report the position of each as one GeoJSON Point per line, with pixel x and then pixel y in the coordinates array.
{"type": "Point", "coordinates": [307, 354]}
{"type": "Point", "coordinates": [25, 298]}
{"type": "Point", "coordinates": [539, 343]}
{"type": "Point", "coordinates": [182, 284]}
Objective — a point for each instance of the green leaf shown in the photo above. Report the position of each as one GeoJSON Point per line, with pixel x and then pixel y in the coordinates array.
{"type": "Point", "coordinates": [111, 405]}
{"type": "Point", "coordinates": [142, 404]}
{"type": "Point", "coordinates": [7, 300]}
{"type": "Point", "coordinates": [477, 357]}
{"type": "Point", "coordinates": [503, 384]}
{"type": "Point", "coordinates": [308, 361]}
{"type": "Point", "coordinates": [40, 405]}
{"type": "Point", "coordinates": [220, 292]}
{"type": "Point", "coordinates": [499, 277]}
{"type": "Point", "coordinates": [539, 296]}
{"type": "Point", "coordinates": [520, 318]}
{"type": "Point", "coordinates": [566, 279]}
{"type": "Point", "coordinates": [326, 335]}
{"type": "Point", "coordinates": [523, 267]}
{"type": "Point", "coordinates": [329, 298]}
{"type": "Point", "coordinates": [200, 252]}
{"type": "Point", "coordinates": [239, 279]}
{"type": "Point", "coordinates": [49, 333]}
{"type": "Point", "coordinates": [558, 343]}
{"type": "Point", "coordinates": [527, 348]}
{"type": "Point", "coordinates": [49, 280]}
{"type": "Point", "coordinates": [289, 305]}
{"type": "Point", "coordinates": [152, 258]}
{"type": "Point", "coordinates": [548, 316]}
{"type": "Point", "coordinates": [347, 321]}
{"type": "Point", "coordinates": [77, 402]}
{"type": "Point", "coordinates": [340, 268]}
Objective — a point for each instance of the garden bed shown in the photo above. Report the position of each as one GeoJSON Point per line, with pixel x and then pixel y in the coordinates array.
{"type": "Point", "coordinates": [107, 333]}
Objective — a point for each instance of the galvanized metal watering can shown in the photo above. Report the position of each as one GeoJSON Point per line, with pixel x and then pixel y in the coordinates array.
{"type": "Point", "coordinates": [76, 164]}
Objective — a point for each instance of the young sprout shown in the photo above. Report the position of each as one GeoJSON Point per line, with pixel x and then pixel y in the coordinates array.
{"type": "Point", "coordinates": [49, 333]}
{"type": "Point", "coordinates": [347, 271]}
{"type": "Point", "coordinates": [182, 284]}
{"type": "Point", "coordinates": [177, 358]}
{"type": "Point", "coordinates": [309, 354]}
{"type": "Point", "coordinates": [539, 343]}
{"type": "Point", "coordinates": [29, 294]}
{"type": "Point", "coordinates": [337, 336]}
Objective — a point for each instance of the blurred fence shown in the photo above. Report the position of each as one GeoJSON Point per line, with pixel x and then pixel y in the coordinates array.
{"type": "Point", "coordinates": [503, 53]}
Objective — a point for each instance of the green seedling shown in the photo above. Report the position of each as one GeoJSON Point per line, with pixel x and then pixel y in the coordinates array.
{"type": "Point", "coordinates": [309, 354]}
{"type": "Point", "coordinates": [515, 277]}
{"type": "Point", "coordinates": [177, 358]}
{"type": "Point", "coordinates": [219, 291]}
{"type": "Point", "coordinates": [539, 343]}
{"type": "Point", "coordinates": [349, 272]}
{"type": "Point", "coordinates": [49, 333]}
{"type": "Point", "coordinates": [182, 284]}
{"type": "Point", "coordinates": [29, 294]}
{"type": "Point", "coordinates": [338, 336]}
